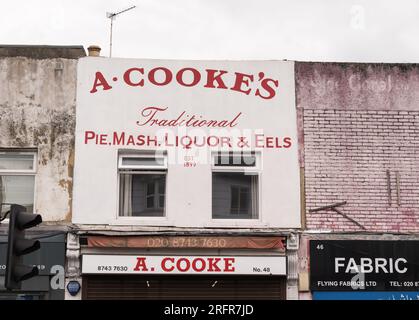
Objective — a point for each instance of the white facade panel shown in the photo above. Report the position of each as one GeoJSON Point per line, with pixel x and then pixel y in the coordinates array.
{"type": "Point", "coordinates": [251, 99]}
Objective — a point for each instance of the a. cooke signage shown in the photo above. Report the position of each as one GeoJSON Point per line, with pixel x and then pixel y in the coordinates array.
{"type": "Point", "coordinates": [346, 265]}
{"type": "Point", "coordinates": [232, 265]}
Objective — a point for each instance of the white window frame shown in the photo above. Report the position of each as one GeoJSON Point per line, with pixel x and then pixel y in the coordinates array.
{"type": "Point", "coordinates": [155, 196]}
{"type": "Point", "coordinates": [142, 169]}
{"type": "Point", "coordinates": [15, 172]}
{"type": "Point", "coordinates": [256, 170]}
{"type": "Point", "coordinates": [18, 172]}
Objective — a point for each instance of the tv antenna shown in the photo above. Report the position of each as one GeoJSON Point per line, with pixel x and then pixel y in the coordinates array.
{"type": "Point", "coordinates": [112, 16]}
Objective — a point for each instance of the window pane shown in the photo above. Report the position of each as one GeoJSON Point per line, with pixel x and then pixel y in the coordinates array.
{"type": "Point", "coordinates": [140, 161]}
{"type": "Point", "coordinates": [234, 195]}
{"type": "Point", "coordinates": [234, 199]}
{"type": "Point", "coordinates": [150, 202]}
{"type": "Point", "coordinates": [16, 161]}
{"type": "Point", "coordinates": [150, 188]}
{"type": "Point", "coordinates": [162, 186]}
{"type": "Point", "coordinates": [245, 201]}
{"type": "Point", "coordinates": [139, 195]}
{"type": "Point", "coordinates": [17, 190]}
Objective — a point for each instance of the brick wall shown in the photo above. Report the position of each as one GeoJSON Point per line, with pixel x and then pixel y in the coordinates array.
{"type": "Point", "coordinates": [348, 144]}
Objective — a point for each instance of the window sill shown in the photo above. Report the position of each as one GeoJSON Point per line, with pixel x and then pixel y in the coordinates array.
{"type": "Point", "coordinates": [143, 221]}
{"type": "Point", "coordinates": [230, 223]}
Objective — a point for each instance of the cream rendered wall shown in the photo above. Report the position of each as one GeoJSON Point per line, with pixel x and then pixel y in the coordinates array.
{"type": "Point", "coordinates": [188, 193]}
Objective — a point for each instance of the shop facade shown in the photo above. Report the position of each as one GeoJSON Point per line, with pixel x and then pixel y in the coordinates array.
{"type": "Point", "coordinates": [185, 181]}
{"type": "Point", "coordinates": [217, 176]}
{"type": "Point", "coordinates": [186, 267]}
{"type": "Point", "coordinates": [361, 267]}
{"type": "Point", "coordinates": [359, 158]}
{"type": "Point", "coordinates": [195, 265]}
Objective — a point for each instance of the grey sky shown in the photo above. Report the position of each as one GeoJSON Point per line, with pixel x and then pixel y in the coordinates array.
{"type": "Point", "coordinates": [320, 30]}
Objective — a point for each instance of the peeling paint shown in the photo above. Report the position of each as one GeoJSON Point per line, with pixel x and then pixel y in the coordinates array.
{"type": "Point", "coordinates": [37, 111]}
{"type": "Point", "coordinates": [359, 86]}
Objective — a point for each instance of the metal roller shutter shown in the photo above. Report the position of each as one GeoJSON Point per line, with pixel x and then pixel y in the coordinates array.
{"type": "Point", "coordinates": [183, 287]}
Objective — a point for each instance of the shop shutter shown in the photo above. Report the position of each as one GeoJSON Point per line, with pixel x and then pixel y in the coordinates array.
{"type": "Point", "coordinates": [183, 287]}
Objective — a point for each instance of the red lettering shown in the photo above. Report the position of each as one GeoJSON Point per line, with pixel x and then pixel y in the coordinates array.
{"type": "Point", "coordinates": [212, 264]}
{"type": "Point", "coordinates": [269, 142]}
{"type": "Point", "coordinates": [152, 141]}
{"type": "Point", "coordinates": [211, 78]}
{"type": "Point", "coordinates": [140, 140]}
{"type": "Point", "coordinates": [168, 76]}
{"type": "Point", "coordinates": [103, 139]}
{"type": "Point", "coordinates": [131, 140]}
{"type": "Point", "coordinates": [213, 141]}
{"type": "Point", "coordinates": [164, 267]}
{"type": "Point", "coordinates": [265, 85]}
{"type": "Point", "coordinates": [240, 80]}
{"type": "Point", "coordinates": [233, 122]}
{"type": "Point", "coordinates": [141, 265]}
{"type": "Point", "coordinates": [189, 122]}
{"type": "Point", "coordinates": [89, 135]}
{"type": "Point", "coordinates": [259, 143]}
{"type": "Point", "coordinates": [148, 114]}
{"type": "Point", "coordinates": [226, 142]}
{"type": "Point", "coordinates": [196, 77]}
{"type": "Point", "coordinates": [229, 267]}
{"type": "Point", "coordinates": [187, 265]}
{"type": "Point", "coordinates": [277, 144]}
{"type": "Point", "coordinates": [127, 77]}
{"type": "Point", "coordinates": [194, 264]}
{"type": "Point", "coordinates": [189, 77]}
{"type": "Point", "coordinates": [118, 140]}
{"type": "Point", "coordinates": [184, 264]}
{"type": "Point", "coordinates": [100, 81]}
{"type": "Point", "coordinates": [223, 123]}
{"type": "Point", "coordinates": [287, 142]}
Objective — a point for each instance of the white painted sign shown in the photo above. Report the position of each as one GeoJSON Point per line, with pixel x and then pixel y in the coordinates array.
{"type": "Point", "coordinates": [188, 110]}
{"type": "Point", "coordinates": [122, 264]}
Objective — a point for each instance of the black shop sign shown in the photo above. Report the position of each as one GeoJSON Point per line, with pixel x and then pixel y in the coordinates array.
{"type": "Point", "coordinates": [351, 265]}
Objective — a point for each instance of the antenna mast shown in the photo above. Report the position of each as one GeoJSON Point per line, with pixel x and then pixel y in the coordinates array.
{"type": "Point", "coordinates": [112, 16]}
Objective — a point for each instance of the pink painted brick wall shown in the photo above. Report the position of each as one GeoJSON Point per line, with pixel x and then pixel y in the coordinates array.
{"type": "Point", "coordinates": [348, 143]}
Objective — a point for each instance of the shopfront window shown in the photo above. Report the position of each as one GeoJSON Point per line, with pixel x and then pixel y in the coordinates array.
{"type": "Point", "coordinates": [235, 186]}
{"type": "Point", "coordinates": [142, 185]}
{"type": "Point", "coordinates": [17, 179]}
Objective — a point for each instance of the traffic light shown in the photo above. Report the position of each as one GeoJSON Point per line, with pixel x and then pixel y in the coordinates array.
{"type": "Point", "coordinates": [18, 246]}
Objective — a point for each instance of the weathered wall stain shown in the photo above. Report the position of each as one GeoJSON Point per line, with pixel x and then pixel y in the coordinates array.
{"type": "Point", "coordinates": [37, 110]}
